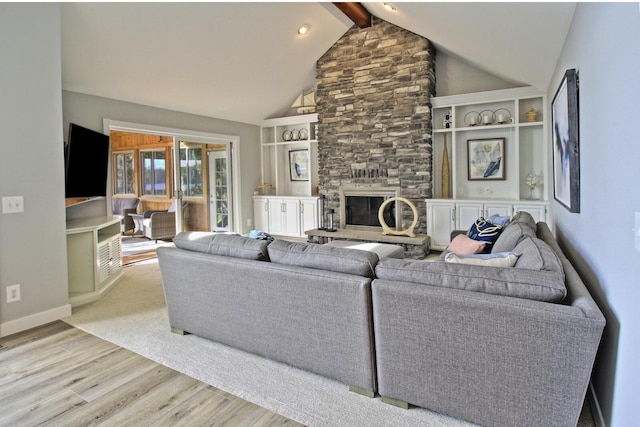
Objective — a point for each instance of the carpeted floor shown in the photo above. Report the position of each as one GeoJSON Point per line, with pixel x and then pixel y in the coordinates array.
{"type": "Point", "coordinates": [133, 315]}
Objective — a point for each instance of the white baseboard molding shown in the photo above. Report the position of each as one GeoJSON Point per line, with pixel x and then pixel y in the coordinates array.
{"type": "Point", "coordinates": [595, 407]}
{"type": "Point", "coordinates": [34, 320]}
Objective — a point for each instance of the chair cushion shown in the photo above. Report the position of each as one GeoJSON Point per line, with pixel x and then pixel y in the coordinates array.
{"type": "Point", "coordinates": [222, 244]}
{"type": "Point", "coordinates": [322, 257]}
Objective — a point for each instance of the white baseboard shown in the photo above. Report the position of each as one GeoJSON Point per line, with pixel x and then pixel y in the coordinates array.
{"type": "Point", "coordinates": [34, 320]}
{"type": "Point", "coordinates": [595, 407]}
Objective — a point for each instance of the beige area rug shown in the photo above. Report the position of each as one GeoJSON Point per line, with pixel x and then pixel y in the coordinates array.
{"type": "Point", "coordinates": [133, 315]}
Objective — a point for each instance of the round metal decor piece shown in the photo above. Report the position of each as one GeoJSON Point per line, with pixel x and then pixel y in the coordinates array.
{"type": "Point", "coordinates": [386, 230]}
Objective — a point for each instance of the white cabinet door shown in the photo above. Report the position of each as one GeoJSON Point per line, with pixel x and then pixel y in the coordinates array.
{"type": "Point", "coordinates": [440, 223]}
{"type": "Point", "coordinates": [261, 215]}
{"type": "Point", "coordinates": [275, 216]}
{"type": "Point", "coordinates": [537, 210]}
{"type": "Point", "coordinates": [291, 217]}
{"type": "Point", "coordinates": [501, 209]}
{"type": "Point", "coordinates": [467, 213]}
{"type": "Point", "coordinates": [308, 214]}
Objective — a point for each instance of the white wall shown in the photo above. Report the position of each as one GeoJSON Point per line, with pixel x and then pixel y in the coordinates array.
{"type": "Point", "coordinates": [604, 46]}
{"type": "Point", "coordinates": [89, 111]}
{"type": "Point", "coordinates": [455, 76]}
{"type": "Point", "coordinates": [33, 248]}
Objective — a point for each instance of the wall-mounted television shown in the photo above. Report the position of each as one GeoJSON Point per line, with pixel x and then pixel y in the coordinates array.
{"type": "Point", "coordinates": [86, 163]}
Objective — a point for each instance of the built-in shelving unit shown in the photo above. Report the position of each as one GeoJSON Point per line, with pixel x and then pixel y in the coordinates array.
{"type": "Point", "coordinates": [483, 116]}
{"type": "Point", "coordinates": [293, 207]}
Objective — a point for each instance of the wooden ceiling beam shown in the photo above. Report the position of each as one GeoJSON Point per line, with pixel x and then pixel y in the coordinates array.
{"type": "Point", "coordinates": [356, 12]}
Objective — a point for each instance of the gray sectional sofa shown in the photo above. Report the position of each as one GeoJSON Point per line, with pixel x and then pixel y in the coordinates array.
{"type": "Point", "coordinates": [497, 346]}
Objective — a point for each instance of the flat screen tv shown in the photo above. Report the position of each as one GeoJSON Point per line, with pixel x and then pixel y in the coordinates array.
{"type": "Point", "coordinates": [86, 163]}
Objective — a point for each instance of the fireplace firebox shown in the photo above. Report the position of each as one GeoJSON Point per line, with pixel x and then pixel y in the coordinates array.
{"type": "Point", "coordinates": [359, 207]}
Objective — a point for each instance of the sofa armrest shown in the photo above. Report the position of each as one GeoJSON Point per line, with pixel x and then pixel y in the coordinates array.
{"type": "Point", "coordinates": [458, 353]}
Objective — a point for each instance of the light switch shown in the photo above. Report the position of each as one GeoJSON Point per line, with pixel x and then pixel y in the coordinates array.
{"type": "Point", "coordinates": [13, 204]}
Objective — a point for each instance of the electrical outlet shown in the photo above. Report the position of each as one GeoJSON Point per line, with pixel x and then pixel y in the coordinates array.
{"type": "Point", "coordinates": [13, 293]}
{"type": "Point", "coordinates": [249, 222]}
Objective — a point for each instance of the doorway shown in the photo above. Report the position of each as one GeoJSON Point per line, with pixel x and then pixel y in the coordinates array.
{"type": "Point", "coordinates": [203, 176]}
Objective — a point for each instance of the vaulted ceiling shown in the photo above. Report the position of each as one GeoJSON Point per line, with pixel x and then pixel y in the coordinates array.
{"type": "Point", "coordinates": [245, 61]}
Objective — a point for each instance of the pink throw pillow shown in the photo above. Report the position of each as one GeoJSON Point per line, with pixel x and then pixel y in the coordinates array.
{"type": "Point", "coordinates": [462, 244]}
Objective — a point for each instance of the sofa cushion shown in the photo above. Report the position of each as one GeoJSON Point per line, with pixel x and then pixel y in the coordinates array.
{"type": "Point", "coordinates": [222, 244]}
{"type": "Point", "coordinates": [536, 254]}
{"type": "Point", "coordinates": [524, 217]}
{"type": "Point", "coordinates": [537, 285]}
{"type": "Point", "coordinates": [311, 255]}
{"type": "Point", "coordinates": [501, 259]}
{"type": "Point", "coordinates": [463, 244]}
{"type": "Point", "coordinates": [511, 236]}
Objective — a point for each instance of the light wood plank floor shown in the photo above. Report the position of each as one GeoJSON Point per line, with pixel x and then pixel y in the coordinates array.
{"type": "Point", "coordinates": [57, 375]}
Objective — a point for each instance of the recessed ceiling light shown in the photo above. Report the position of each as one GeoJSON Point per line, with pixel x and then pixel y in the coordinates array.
{"type": "Point", "coordinates": [303, 29]}
{"type": "Point", "coordinates": [389, 6]}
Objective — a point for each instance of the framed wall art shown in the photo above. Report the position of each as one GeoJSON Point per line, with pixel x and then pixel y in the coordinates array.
{"type": "Point", "coordinates": [566, 149]}
{"type": "Point", "coordinates": [485, 158]}
{"type": "Point", "coordinates": [299, 165]}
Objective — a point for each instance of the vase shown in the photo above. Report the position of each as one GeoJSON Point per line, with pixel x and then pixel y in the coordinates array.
{"type": "Point", "coordinates": [445, 170]}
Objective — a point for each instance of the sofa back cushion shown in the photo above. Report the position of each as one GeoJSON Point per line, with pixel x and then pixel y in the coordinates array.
{"type": "Point", "coordinates": [341, 260]}
{"type": "Point", "coordinates": [537, 285]}
{"type": "Point", "coordinates": [222, 244]}
{"type": "Point", "coordinates": [536, 254]}
{"type": "Point", "coordinates": [511, 236]}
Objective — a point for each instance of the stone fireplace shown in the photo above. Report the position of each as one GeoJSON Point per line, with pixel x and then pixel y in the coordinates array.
{"type": "Point", "coordinates": [373, 94]}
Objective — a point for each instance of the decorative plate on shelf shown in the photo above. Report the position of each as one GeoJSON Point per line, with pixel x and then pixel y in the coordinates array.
{"type": "Point", "coordinates": [472, 118]}
{"type": "Point", "coordinates": [304, 134]}
{"type": "Point", "coordinates": [286, 136]}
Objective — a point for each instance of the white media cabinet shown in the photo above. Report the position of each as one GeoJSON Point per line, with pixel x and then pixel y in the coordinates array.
{"type": "Point", "coordinates": [94, 249]}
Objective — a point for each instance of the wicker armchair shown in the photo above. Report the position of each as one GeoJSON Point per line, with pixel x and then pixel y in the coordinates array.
{"type": "Point", "coordinates": [124, 206]}
{"type": "Point", "coordinates": [161, 225]}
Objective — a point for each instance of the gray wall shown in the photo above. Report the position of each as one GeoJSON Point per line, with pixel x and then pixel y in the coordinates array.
{"type": "Point", "coordinates": [604, 46]}
{"type": "Point", "coordinates": [88, 111]}
{"type": "Point", "coordinates": [33, 243]}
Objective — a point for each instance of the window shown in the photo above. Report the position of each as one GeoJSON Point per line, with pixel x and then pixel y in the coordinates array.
{"type": "Point", "coordinates": [154, 177]}
{"type": "Point", "coordinates": [124, 173]}
{"type": "Point", "coordinates": [191, 171]}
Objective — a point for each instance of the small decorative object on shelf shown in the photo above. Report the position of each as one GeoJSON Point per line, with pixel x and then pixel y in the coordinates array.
{"type": "Point", "coordinates": [304, 134]}
{"type": "Point", "coordinates": [502, 116]}
{"type": "Point", "coordinates": [286, 136]}
{"type": "Point", "coordinates": [295, 135]}
{"type": "Point", "coordinates": [265, 189]}
{"type": "Point", "coordinates": [532, 115]}
{"type": "Point", "coordinates": [472, 118]}
{"type": "Point", "coordinates": [533, 180]}
{"type": "Point", "coordinates": [447, 120]}
{"type": "Point", "coordinates": [331, 221]}
{"type": "Point", "coordinates": [487, 117]}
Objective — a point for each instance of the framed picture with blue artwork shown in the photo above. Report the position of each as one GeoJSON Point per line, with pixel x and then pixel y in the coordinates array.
{"type": "Point", "coordinates": [299, 165]}
{"type": "Point", "coordinates": [486, 159]}
{"type": "Point", "coordinates": [566, 147]}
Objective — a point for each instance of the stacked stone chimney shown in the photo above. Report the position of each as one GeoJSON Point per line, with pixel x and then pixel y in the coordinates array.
{"type": "Point", "coordinates": [373, 94]}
